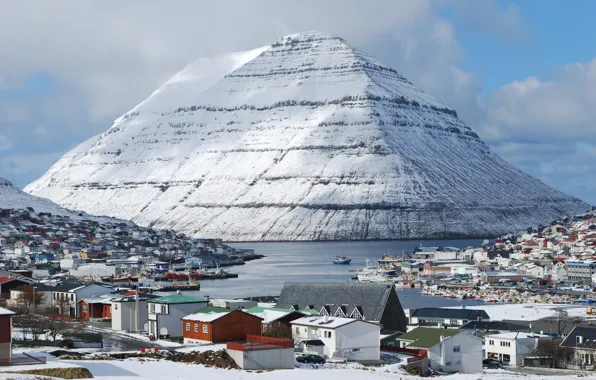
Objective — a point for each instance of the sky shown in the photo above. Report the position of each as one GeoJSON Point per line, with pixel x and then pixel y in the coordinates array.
{"type": "Point", "coordinates": [521, 73]}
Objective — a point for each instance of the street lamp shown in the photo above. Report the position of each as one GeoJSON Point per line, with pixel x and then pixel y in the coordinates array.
{"type": "Point", "coordinates": [34, 303]}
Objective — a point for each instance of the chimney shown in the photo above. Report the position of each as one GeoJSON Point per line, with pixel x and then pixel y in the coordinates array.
{"type": "Point", "coordinates": [325, 318]}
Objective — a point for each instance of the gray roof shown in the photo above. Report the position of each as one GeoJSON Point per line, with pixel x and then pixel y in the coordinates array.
{"type": "Point", "coordinates": [493, 325]}
{"type": "Point", "coordinates": [371, 299]}
{"type": "Point", "coordinates": [588, 335]}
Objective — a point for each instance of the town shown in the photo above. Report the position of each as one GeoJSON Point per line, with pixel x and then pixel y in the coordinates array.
{"type": "Point", "coordinates": [73, 284]}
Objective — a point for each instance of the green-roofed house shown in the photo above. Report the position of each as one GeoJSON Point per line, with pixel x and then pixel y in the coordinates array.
{"type": "Point", "coordinates": [166, 313]}
{"type": "Point", "coordinates": [448, 350]}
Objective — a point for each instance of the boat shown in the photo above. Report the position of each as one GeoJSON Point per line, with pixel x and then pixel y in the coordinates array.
{"type": "Point", "coordinates": [342, 260]}
{"type": "Point", "coordinates": [185, 275]}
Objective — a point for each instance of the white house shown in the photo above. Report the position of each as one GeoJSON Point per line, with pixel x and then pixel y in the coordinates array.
{"type": "Point", "coordinates": [510, 348]}
{"type": "Point", "coordinates": [448, 350]}
{"type": "Point", "coordinates": [166, 313]}
{"type": "Point", "coordinates": [559, 272]}
{"type": "Point", "coordinates": [130, 313]}
{"type": "Point", "coordinates": [353, 339]}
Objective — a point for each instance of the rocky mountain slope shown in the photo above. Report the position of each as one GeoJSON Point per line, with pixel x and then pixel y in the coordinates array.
{"type": "Point", "coordinates": [306, 139]}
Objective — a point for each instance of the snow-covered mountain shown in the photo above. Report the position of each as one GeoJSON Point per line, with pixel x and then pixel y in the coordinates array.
{"type": "Point", "coordinates": [11, 197]}
{"type": "Point", "coordinates": [306, 139]}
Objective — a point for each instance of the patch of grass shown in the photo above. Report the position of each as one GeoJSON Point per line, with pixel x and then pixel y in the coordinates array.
{"type": "Point", "coordinates": [63, 373]}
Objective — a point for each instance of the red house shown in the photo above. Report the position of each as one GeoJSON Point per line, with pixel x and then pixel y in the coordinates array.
{"type": "Point", "coordinates": [219, 325]}
{"type": "Point", "coordinates": [95, 308]}
{"type": "Point", "coordinates": [5, 336]}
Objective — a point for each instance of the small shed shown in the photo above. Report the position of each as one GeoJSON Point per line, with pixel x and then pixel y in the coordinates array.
{"type": "Point", "coordinates": [261, 353]}
{"type": "Point", "coordinates": [95, 308]}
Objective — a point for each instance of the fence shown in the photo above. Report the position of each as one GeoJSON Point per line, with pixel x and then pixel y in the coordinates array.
{"type": "Point", "coordinates": [403, 350]}
{"type": "Point", "coordinates": [286, 343]}
{"type": "Point", "coordinates": [23, 359]}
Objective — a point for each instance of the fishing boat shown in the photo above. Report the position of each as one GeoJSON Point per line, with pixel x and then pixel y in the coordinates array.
{"type": "Point", "coordinates": [342, 260]}
{"type": "Point", "coordinates": [185, 275]}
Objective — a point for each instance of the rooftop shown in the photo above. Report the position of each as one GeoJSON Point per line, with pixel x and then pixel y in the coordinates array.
{"type": "Point", "coordinates": [516, 335]}
{"type": "Point", "coordinates": [208, 314]}
{"type": "Point", "coordinates": [329, 322]}
{"type": "Point", "coordinates": [426, 337]}
{"type": "Point", "coordinates": [177, 299]}
{"type": "Point", "coordinates": [437, 312]}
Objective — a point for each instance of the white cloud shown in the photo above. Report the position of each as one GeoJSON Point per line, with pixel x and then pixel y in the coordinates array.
{"type": "Point", "coordinates": [548, 128]}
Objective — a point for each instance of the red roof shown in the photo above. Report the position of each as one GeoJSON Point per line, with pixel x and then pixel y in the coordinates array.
{"type": "Point", "coordinates": [4, 280]}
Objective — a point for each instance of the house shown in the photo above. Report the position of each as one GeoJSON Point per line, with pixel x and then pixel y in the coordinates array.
{"type": "Point", "coordinates": [352, 339]}
{"type": "Point", "coordinates": [578, 271]}
{"type": "Point", "coordinates": [95, 308]}
{"type": "Point", "coordinates": [217, 325]}
{"type": "Point", "coordinates": [67, 295]}
{"type": "Point", "coordinates": [492, 277]}
{"type": "Point", "coordinates": [6, 336]}
{"type": "Point", "coordinates": [165, 313]}
{"type": "Point", "coordinates": [559, 272]}
{"type": "Point", "coordinates": [131, 313]}
{"type": "Point", "coordinates": [510, 348]}
{"type": "Point", "coordinates": [12, 282]}
{"type": "Point", "coordinates": [583, 341]}
{"type": "Point", "coordinates": [375, 302]}
{"type": "Point", "coordinates": [275, 318]}
{"type": "Point", "coordinates": [482, 328]}
{"type": "Point", "coordinates": [26, 293]}
{"type": "Point", "coordinates": [233, 304]}
{"type": "Point", "coordinates": [447, 350]}
{"type": "Point", "coordinates": [262, 353]}
{"type": "Point", "coordinates": [446, 317]}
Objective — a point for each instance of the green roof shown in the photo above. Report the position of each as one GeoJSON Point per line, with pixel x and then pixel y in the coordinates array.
{"type": "Point", "coordinates": [426, 337]}
{"type": "Point", "coordinates": [178, 298]}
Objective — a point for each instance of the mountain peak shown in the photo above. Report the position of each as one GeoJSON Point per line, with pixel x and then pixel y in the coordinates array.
{"type": "Point", "coordinates": [306, 139]}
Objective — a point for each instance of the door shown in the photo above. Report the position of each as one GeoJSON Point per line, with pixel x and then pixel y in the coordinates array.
{"type": "Point", "coordinates": [153, 328]}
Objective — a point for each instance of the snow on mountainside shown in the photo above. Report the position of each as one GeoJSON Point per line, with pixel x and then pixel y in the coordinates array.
{"type": "Point", "coordinates": [12, 197]}
{"type": "Point", "coordinates": [307, 139]}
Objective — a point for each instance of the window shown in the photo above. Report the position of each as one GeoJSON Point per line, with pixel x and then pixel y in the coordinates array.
{"type": "Point", "coordinates": [152, 308]}
{"type": "Point", "coordinates": [455, 348]}
{"type": "Point", "coordinates": [187, 326]}
{"type": "Point", "coordinates": [327, 334]}
{"type": "Point", "coordinates": [196, 327]}
{"type": "Point", "coordinates": [491, 342]}
{"type": "Point", "coordinates": [72, 297]}
{"type": "Point", "coordinates": [297, 330]}
{"type": "Point", "coordinates": [205, 329]}
{"type": "Point", "coordinates": [355, 350]}
{"type": "Point", "coordinates": [164, 309]}
{"type": "Point", "coordinates": [116, 306]}
{"type": "Point", "coordinates": [84, 308]}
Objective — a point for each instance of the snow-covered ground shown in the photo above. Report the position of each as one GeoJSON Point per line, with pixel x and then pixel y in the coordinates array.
{"type": "Point", "coordinates": [527, 312]}
{"type": "Point", "coordinates": [154, 370]}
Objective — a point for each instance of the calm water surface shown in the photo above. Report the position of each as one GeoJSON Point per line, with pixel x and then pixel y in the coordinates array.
{"type": "Point", "coordinates": [312, 262]}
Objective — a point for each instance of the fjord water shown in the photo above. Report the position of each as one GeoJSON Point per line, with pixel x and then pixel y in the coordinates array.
{"type": "Point", "coordinates": [312, 262]}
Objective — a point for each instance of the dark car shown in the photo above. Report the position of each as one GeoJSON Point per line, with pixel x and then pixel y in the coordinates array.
{"type": "Point", "coordinates": [316, 359]}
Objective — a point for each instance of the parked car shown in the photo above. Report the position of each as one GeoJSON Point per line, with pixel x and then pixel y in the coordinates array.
{"type": "Point", "coordinates": [315, 359]}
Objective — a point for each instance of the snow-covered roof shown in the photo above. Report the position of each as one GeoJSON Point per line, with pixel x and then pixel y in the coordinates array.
{"type": "Point", "coordinates": [328, 323]}
{"type": "Point", "coordinates": [4, 311]}
{"type": "Point", "coordinates": [516, 335]}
